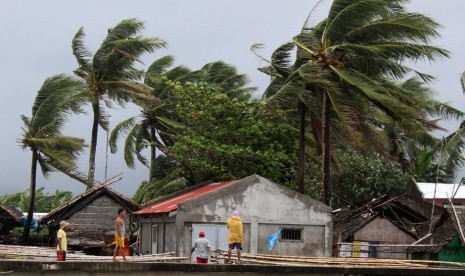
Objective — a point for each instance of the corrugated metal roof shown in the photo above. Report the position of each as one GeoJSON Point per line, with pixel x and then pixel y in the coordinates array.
{"type": "Point", "coordinates": [442, 190]}
{"type": "Point", "coordinates": [172, 204]}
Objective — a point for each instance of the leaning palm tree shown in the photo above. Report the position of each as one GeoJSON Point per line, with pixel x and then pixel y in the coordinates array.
{"type": "Point", "coordinates": [224, 78]}
{"type": "Point", "coordinates": [155, 126]}
{"type": "Point", "coordinates": [417, 149]}
{"type": "Point", "coordinates": [352, 58]}
{"type": "Point", "coordinates": [42, 133]}
{"type": "Point", "coordinates": [110, 74]}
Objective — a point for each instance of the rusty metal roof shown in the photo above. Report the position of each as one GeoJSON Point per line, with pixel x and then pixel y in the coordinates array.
{"type": "Point", "coordinates": [172, 204]}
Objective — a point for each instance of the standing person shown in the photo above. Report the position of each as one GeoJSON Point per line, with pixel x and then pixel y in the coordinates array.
{"type": "Point", "coordinates": [120, 234]}
{"type": "Point", "coordinates": [202, 245]}
{"type": "Point", "coordinates": [235, 239]}
{"type": "Point", "coordinates": [62, 244]}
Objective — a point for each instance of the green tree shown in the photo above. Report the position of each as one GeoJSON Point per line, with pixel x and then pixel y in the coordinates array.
{"type": "Point", "coordinates": [352, 58]}
{"type": "Point", "coordinates": [42, 132]}
{"type": "Point", "coordinates": [226, 139]}
{"type": "Point", "coordinates": [110, 74]}
{"type": "Point", "coordinates": [44, 202]}
{"type": "Point", "coordinates": [363, 177]}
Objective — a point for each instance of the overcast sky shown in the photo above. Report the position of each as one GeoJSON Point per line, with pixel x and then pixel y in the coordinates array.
{"type": "Point", "coordinates": [36, 44]}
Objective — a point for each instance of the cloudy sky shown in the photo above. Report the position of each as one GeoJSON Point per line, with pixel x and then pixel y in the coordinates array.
{"type": "Point", "coordinates": [36, 39]}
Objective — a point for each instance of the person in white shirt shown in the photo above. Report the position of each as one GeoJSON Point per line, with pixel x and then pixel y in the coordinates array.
{"type": "Point", "coordinates": [203, 249]}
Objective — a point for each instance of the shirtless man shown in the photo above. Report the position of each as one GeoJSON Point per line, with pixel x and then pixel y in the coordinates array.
{"type": "Point", "coordinates": [120, 234]}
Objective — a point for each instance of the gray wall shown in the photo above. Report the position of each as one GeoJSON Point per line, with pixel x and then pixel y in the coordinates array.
{"type": "Point", "coordinates": [312, 243]}
{"type": "Point", "coordinates": [99, 214]}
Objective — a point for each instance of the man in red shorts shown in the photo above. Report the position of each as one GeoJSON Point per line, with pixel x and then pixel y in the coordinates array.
{"type": "Point", "coordinates": [202, 246]}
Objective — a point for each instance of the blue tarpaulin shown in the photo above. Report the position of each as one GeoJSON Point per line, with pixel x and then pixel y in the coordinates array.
{"type": "Point", "coordinates": [271, 240]}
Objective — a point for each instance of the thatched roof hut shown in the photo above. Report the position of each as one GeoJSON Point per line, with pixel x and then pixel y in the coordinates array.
{"type": "Point", "coordinates": [10, 217]}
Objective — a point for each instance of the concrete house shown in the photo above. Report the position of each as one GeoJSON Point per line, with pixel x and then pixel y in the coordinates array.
{"type": "Point", "coordinates": [170, 224]}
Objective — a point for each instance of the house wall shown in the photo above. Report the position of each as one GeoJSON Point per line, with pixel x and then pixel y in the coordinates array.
{"type": "Point", "coordinates": [166, 240]}
{"type": "Point", "coordinates": [454, 251]}
{"type": "Point", "coordinates": [385, 232]}
{"type": "Point", "coordinates": [312, 243]}
{"type": "Point", "coordinates": [99, 214]}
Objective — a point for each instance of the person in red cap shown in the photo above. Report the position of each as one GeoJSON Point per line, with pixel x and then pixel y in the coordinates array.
{"type": "Point", "coordinates": [202, 247]}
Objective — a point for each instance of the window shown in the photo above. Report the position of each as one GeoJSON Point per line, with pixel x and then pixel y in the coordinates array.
{"type": "Point", "coordinates": [291, 234]}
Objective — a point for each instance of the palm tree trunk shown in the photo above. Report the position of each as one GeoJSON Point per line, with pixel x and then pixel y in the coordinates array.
{"type": "Point", "coordinates": [153, 153]}
{"type": "Point", "coordinates": [301, 154]}
{"type": "Point", "coordinates": [326, 149]}
{"type": "Point", "coordinates": [32, 198]}
{"type": "Point", "coordinates": [93, 143]}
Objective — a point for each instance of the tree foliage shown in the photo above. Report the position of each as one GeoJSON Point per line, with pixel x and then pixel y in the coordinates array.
{"type": "Point", "coordinates": [367, 176]}
{"type": "Point", "coordinates": [225, 138]}
{"type": "Point", "coordinates": [44, 202]}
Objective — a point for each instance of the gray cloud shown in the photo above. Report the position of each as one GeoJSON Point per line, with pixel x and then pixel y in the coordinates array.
{"type": "Point", "coordinates": [36, 39]}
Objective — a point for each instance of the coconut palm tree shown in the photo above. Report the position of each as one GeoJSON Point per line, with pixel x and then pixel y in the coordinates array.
{"type": "Point", "coordinates": [154, 127]}
{"type": "Point", "coordinates": [224, 78]}
{"type": "Point", "coordinates": [110, 74]}
{"type": "Point", "coordinates": [42, 132]}
{"type": "Point", "coordinates": [417, 149]}
{"type": "Point", "coordinates": [352, 58]}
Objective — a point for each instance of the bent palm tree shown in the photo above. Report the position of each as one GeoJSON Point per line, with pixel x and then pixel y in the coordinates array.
{"type": "Point", "coordinates": [110, 74]}
{"type": "Point", "coordinates": [42, 133]}
{"type": "Point", "coordinates": [156, 125]}
{"type": "Point", "coordinates": [352, 57]}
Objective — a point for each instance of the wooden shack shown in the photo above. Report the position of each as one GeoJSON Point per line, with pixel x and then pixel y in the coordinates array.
{"type": "Point", "coordinates": [92, 219]}
{"type": "Point", "coordinates": [367, 229]}
{"type": "Point", "coordinates": [446, 237]}
{"type": "Point", "coordinates": [10, 218]}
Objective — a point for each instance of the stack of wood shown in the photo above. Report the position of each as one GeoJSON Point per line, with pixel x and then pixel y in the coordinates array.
{"type": "Point", "coordinates": [49, 254]}
{"type": "Point", "coordinates": [332, 261]}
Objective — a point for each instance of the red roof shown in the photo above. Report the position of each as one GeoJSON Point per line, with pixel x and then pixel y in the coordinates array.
{"type": "Point", "coordinates": [172, 204]}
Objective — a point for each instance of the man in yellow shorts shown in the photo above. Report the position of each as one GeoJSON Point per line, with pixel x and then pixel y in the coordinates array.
{"type": "Point", "coordinates": [120, 234]}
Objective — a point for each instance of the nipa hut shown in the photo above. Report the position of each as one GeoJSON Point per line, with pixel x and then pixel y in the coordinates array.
{"type": "Point", "coordinates": [10, 217]}
{"type": "Point", "coordinates": [92, 219]}
{"type": "Point", "coordinates": [368, 230]}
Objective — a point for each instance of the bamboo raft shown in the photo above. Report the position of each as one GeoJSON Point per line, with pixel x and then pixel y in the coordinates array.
{"type": "Point", "coordinates": [264, 259]}
{"type": "Point", "coordinates": [49, 254]}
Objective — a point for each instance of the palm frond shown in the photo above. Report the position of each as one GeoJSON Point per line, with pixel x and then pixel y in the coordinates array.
{"type": "Point", "coordinates": [81, 53]}
{"type": "Point", "coordinates": [120, 129]}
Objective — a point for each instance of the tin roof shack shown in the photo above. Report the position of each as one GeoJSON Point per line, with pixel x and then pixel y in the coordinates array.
{"type": "Point", "coordinates": [447, 238]}
{"type": "Point", "coordinates": [92, 219]}
{"type": "Point", "coordinates": [170, 224]}
{"type": "Point", "coordinates": [367, 230]}
{"type": "Point", "coordinates": [10, 218]}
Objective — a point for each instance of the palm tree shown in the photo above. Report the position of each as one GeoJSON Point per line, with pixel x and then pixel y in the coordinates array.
{"type": "Point", "coordinates": [110, 74]}
{"type": "Point", "coordinates": [224, 78]}
{"type": "Point", "coordinates": [352, 57]}
{"type": "Point", "coordinates": [417, 149]}
{"type": "Point", "coordinates": [280, 69]}
{"type": "Point", "coordinates": [42, 133]}
{"type": "Point", "coordinates": [155, 126]}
